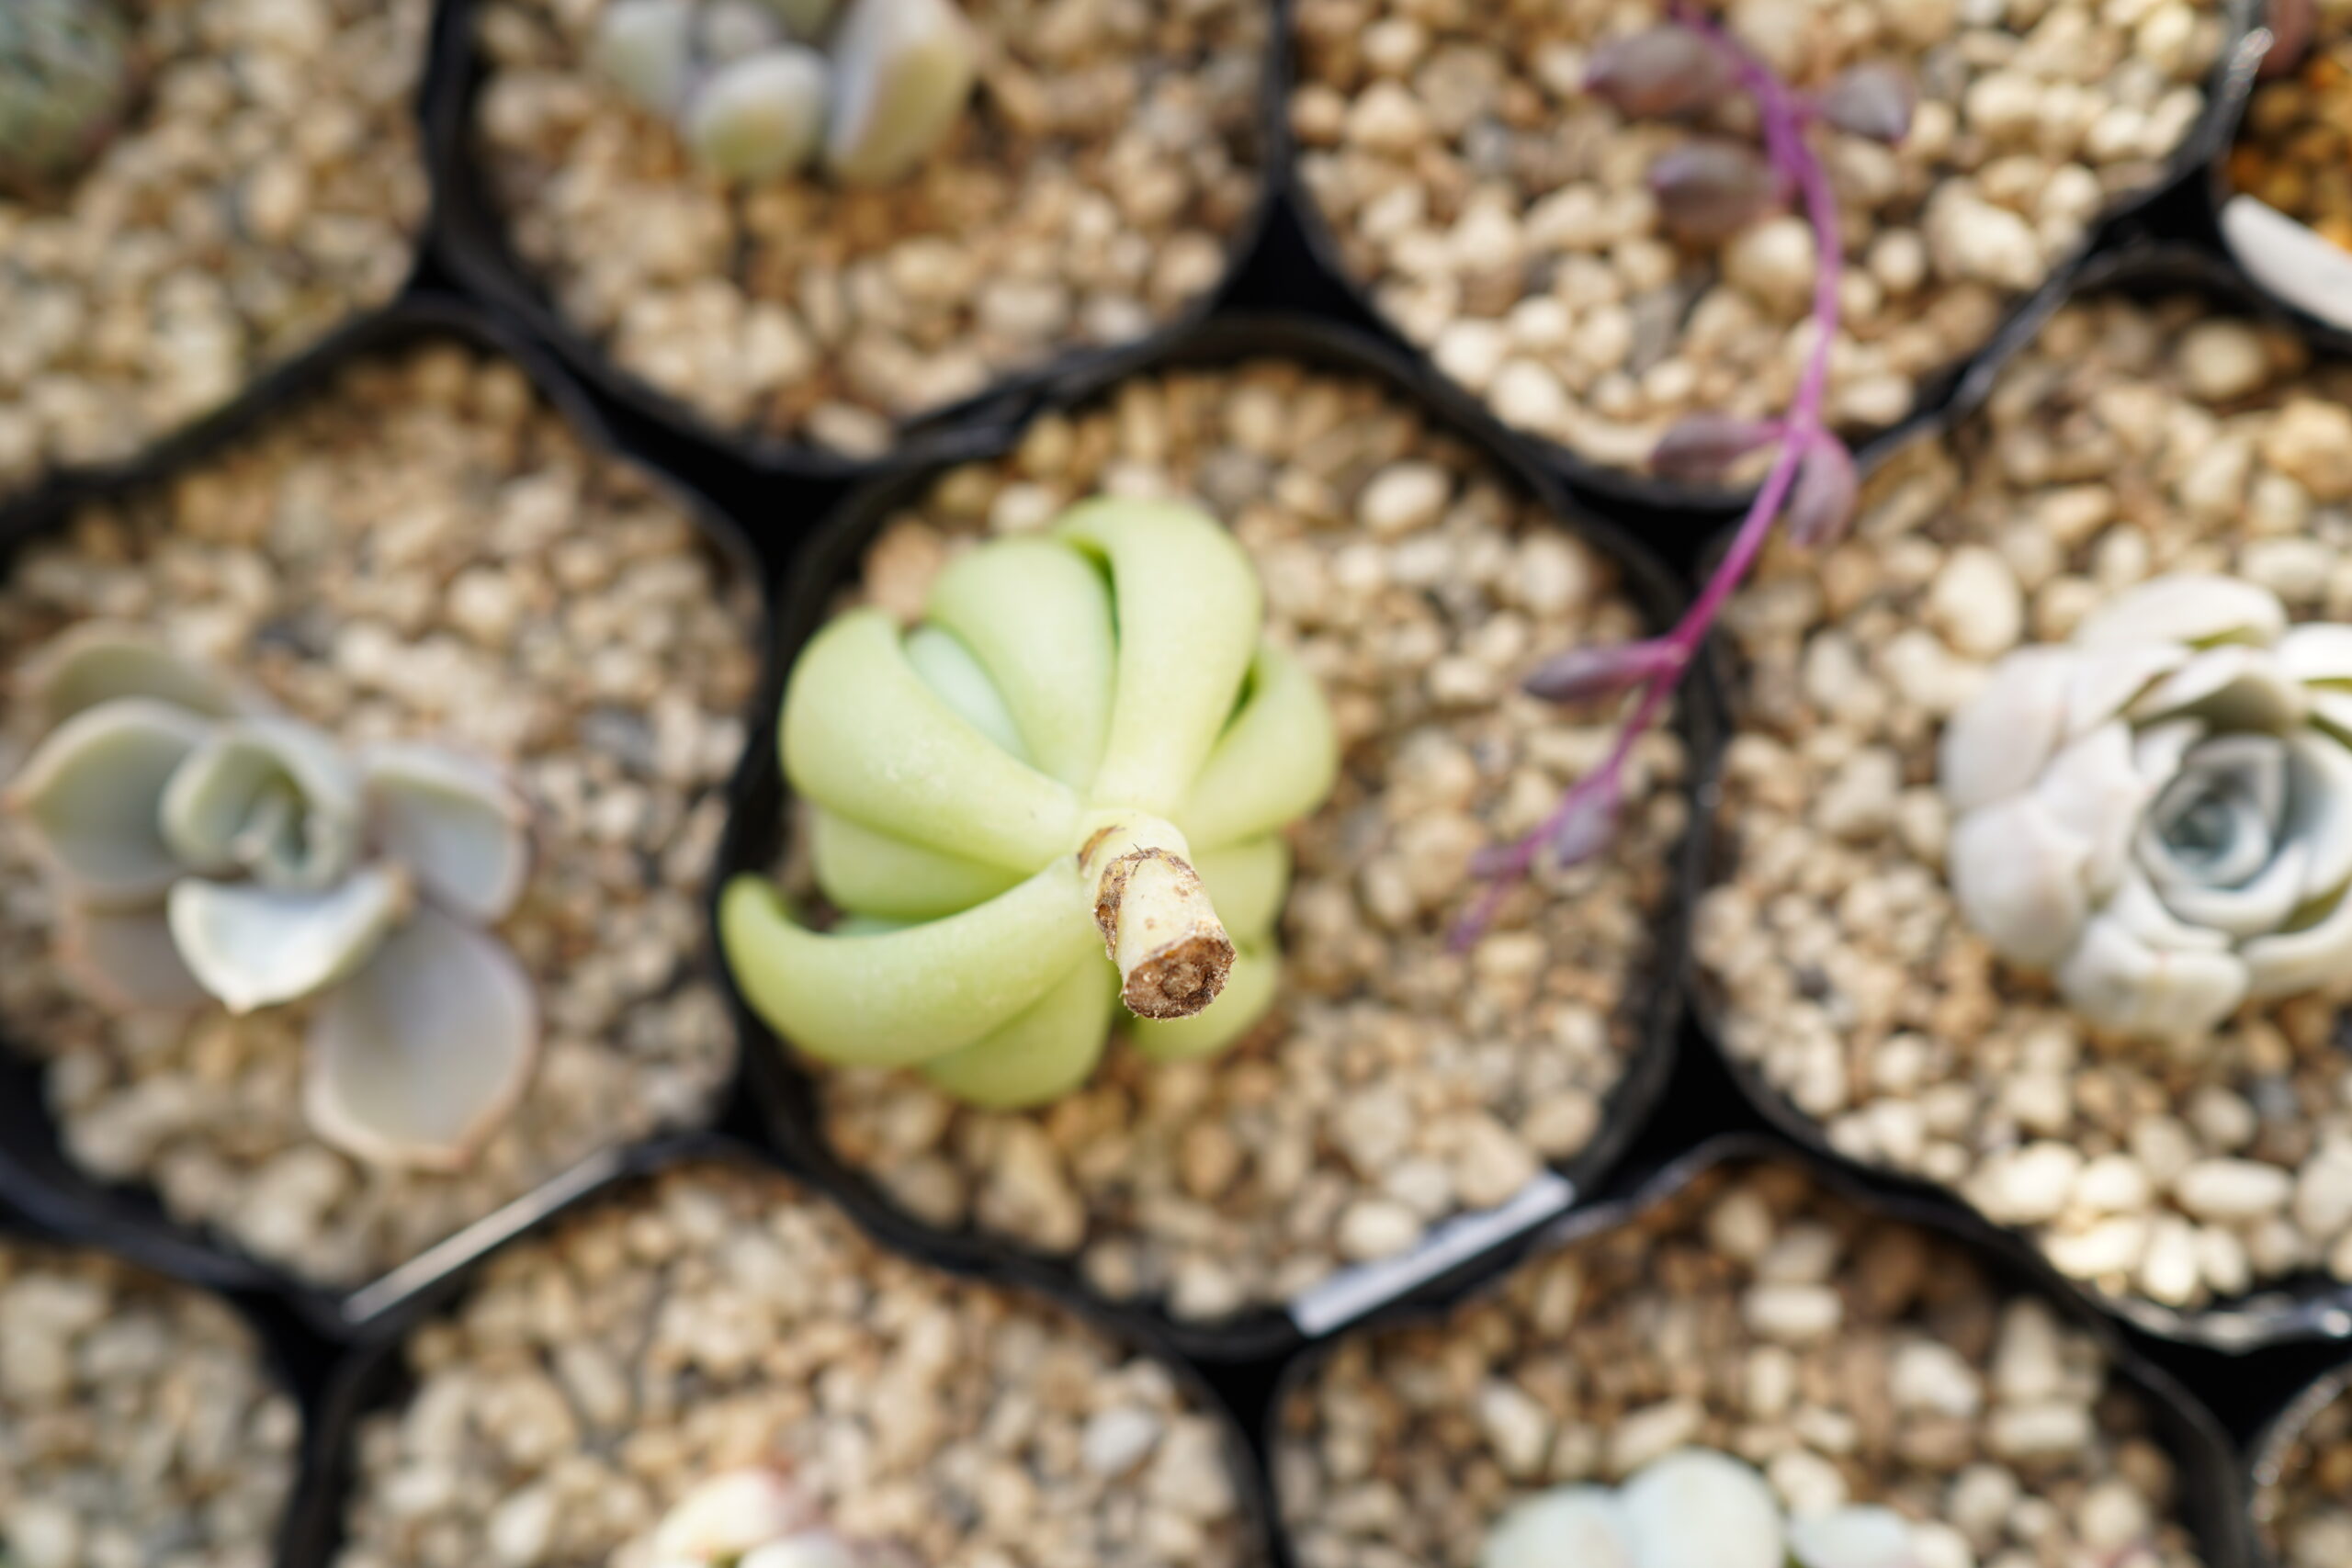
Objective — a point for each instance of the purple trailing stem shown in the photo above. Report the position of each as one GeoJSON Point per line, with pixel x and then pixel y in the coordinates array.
{"type": "Point", "coordinates": [1582, 824]}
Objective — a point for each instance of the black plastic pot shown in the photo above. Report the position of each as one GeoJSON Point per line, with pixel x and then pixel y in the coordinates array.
{"type": "Point", "coordinates": [1646, 495]}
{"type": "Point", "coordinates": [785, 1095]}
{"type": "Point", "coordinates": [2267, 1466]}
{"type": "Point", "coordinates": [2308, 1308]}
{"type": "Point", "coordinates": [472, 240]}
{"type": "Point", "coordinates": [37, 1177]}
{"type": "Point", "coordinates": [373, 1376]}
{"type": "Point", "coordinates": [2203, 1460]}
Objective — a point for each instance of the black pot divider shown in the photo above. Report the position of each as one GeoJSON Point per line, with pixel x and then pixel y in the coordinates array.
{"type": "Point", "coordinates": [2308, 1308]}
{"type": "Point", "coordinates": [784, 1093]}
{"type": "Point", "coordinates": [37, 1177]}
{"type": "Point", "coordinates": [470, 240]}
{"type": "Point", "coordinates": [2205, 1462]}
{"type": "Point", "coordinates": [371, 1376]}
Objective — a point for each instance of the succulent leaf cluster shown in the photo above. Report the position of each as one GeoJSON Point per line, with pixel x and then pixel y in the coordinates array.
{"type": "Point", "coordinates": [1693, 1508]}
{"type": "Point", "coordinates": [760, 88]}
{"type": "Point", "coordinates": [205, 848]}
{"type": "Point", "coordinates": [2159, 812]}
{"type": "Point", "coordinates": [1059, 797]}
{"type": "Point", "coordinates": [65, 84]}
{"type": "Point", "coordinates": [757, 1519]}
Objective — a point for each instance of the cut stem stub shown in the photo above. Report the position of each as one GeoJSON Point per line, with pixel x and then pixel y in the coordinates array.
{"type": "Point", "coordinates": [1171, 951]}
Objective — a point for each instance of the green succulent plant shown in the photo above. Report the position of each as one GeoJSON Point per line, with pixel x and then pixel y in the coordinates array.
{"type": "Point", "coordinates": [204, 848]}
{"type": "Point", "coordinates": [1061, 795]}
{"type": "Point", "coordinates": [758, 88]}
{"type": "Point", "coordinates": [65, 82]}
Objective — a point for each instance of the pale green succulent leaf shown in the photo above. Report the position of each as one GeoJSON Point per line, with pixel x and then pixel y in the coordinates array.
{"type": "Point", "coordinates": [735, 29]}
{"type": "Point", "coordinates": [760, 116]}
{"type": "Point", "coordinates": [418, 1057]}
{"type": "Point", "coordinates": [646, 49]}
{"type": "Point", "coordinates": [1188, 606]}
{"type": "Point", "coordinates": [269, 797]}
{"type": "Point", "coordinates": [1276, 762]}
{"type": "Point", "coordinates": [902, 70]}
{"type": "Point", "coordinates": [99, 661]}
{"type": "Point", "coordinates": [806, 18]}
{"type": "Point", "coordinates": [1037, 617]}
{"type": "Point", "coordinates": [255, 947]}
{"type": "Point", "coordinates": [93, 793]}
{"type": "Point", "coordinates": [455, 822]}
{"type": "Point", "coordinates": [1249, 995]}
{"type": "Point", "coordinates": [1044, 1053]}
{"type": "Point", "coordinates": [913, 994]}
{"type": "Point", "coordinates": [866, 737]}
{"type": "Point", "coordinates": [1248, 883]}
{"type": "Point", "coordinates": [125, 959]}
{"type": "Point", "coordinates": [872, 874]}
{"type": "Point", "coordinates": [949, 668]}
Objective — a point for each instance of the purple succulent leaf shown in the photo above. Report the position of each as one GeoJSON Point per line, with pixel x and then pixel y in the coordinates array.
{"type": "Point", "coordinates": [1590, 674]}
{"type": "Point", "coordinates": [1587, 825]}
{"type": "Point", "coordinates": [1708, 190]}
{"type": "Point", "coordinates": [1874, 99]}
{"type": "Point", "coordinates": [2293, 24]}
{"type": "Point", "coordinates": [1701, 448]}
{"type": "Point", "coordinates": [1826, 496]}
{"type": "Point", "coordinates": [1657, 72]}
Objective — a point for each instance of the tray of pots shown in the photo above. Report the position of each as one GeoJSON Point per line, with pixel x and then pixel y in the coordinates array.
{"type": "Point", "coordinates": [364, 776]}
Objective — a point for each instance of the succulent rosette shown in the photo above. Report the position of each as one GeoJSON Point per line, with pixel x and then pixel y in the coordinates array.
{"type": "Point", "coordinates": [1061, 795]}
{"type": "Point", "coordinates": [2158, 813]}
{"type": "Point", "coordinates": [205, 848]}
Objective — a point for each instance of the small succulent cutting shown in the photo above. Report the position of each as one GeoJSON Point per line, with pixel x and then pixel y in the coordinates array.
{"type": "Point", "coordinates": [759, 87]}
{"type": "Point", "coordinates": [1693, 1508]}
{"type": "Point", "coordinates": [2159, 812]}
{"type": "Point", "coordinates": [1707, 190]}
{"type": "Point", "coordinates": [65, 84]}
{"type": "Point", "coordinates": [755, 1519]}
{"type": "Point", "coordinates": [1061, 795]}
{"type": "Point", "coordinates": [204, 848]}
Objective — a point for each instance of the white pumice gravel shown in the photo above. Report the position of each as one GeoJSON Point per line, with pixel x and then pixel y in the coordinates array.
{"type": "Point", "coordinates": [267, 187]}
{"type": "Point", "coordinates": [1111, 157]}
{"type": "Point", "coordinates": [1997, 1427]}
{"type": "Point", "coordinates": [2305, 1511]}
{"type": "Point", "coordinates": [140, 1426]}
{"type": "Point", "coordinates": [2127, 442]}
{"type": "Point", "coordinates": [421, 547]}
{"type": "Point", "coordinates": [718, 1317]}
{"type": "Point", "coordinates": [1500, 215]}
{"type": "Point", "coordinates": [1400, 1083]}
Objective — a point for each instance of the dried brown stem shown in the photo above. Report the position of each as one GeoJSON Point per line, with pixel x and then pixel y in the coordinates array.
{"type": "Point", "coordinates": [1158, 924]}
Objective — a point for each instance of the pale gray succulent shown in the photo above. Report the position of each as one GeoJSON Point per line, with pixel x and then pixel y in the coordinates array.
{"type": "Point", "coordinates": [756, 89]}
{"type": "Point", "coordinates": [753, 1518]}
{"type": "Point", "coordinates": [204, 848]}
{"type": "Point", "coordinates": [1692, 1508]}
{"type": "Point", "coordinates": [2159, 812]}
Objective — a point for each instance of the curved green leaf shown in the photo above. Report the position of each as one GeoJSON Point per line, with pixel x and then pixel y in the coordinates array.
{"type": "Point", "coordinates": [102, 661]}
{"type": "Point", "coordinates": [255, 947]}
{"type": "Point", "coordinates": [1188, 606]}
{"type": "Point", "coordinates": [1248, 997]}
{"type": "Point", "coordinates": [872, 874]}
{"type": "Point", "coordinates": [912, 994]}
{"type": "Point", "coordinates": [94, 793]}
{"type": "Point", "coordinates": [949, 668]}
{"type": "Point", "coordinates": [863, 736]}
{"type": "Point", "coordinates": [1038, 615]}
{"type": "Point", "coordinates": [272, 796]}
{"type": "Point", "coordinates": [1274, 763]}
{"type": "Point", "coordinates": [1248, 883]}
{"type": "Point", "coordinates": [1044, 1052]}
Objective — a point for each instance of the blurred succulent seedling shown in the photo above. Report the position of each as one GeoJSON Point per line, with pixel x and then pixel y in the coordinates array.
{"type": "Point", "coordinates": [67, 78]}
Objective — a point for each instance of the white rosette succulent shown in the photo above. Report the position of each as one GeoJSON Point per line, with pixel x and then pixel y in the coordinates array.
{"type": "Point", "coordinates": [205, 848]}
{"type": "Point", "coordinates": [2159, 812]}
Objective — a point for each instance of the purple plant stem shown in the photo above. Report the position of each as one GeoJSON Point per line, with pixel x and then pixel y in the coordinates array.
{"type": "Point", "coordinates": [1784, 116]}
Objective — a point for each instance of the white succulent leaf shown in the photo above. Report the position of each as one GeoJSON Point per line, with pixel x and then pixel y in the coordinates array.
{"type": "Point", "coordinates": [101, 662]}
{"type": "Point", "coordinates": [271, 798]}
{"type": "Point", "coordinates": [1853, 1537]}
{"type": "Point", "coordinates": [2159, 813]}
{"type": "Point", "coordinates": [93, 793]}
{"type": "Point", "coordinates": [454, 822]}
{"type": "Point", "coordinates": [646, 49]}
{"type": "Point", "coordinates": [903, 70]}
{"type": "Point", "coordinates": [732, 1514]}
{"type": "Point", "coordinates": [760, 116]}
{"type": "Point", "coordinates": [1584, 1525]}
{"type": "Point", "coordinates": [1698, 1508]}
{"type": "Point", "coordinates": [255, 947]}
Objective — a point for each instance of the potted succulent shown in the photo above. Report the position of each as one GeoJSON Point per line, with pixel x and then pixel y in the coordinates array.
{"type": "Point", "coordinates": [1383, 586]}
{"type": "Point", "coordinates": [2302, 1474]}
{"type": "Point", "coordinates": [361, 782]}
{"type": "Point", "coordinates": [2286, 210]}
{"type": "Point", "coordinates": [146, 1423]}
{"type": "Point", "coordinates": [2035, 775]}
{"type": "Point", "coordinates": [1583, 211]}
{"type": "Point", "coordinates": [190, 195]}
{"type": "Point", "coordinates": [1742, 1364]}
{"type": "Point", "coordinates": [817, 225]}
{"type": "Point", "coordinates": [739, 1377]}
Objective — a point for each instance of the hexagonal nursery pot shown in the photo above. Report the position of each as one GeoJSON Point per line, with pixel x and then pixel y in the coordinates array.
{"type": "Point", "coordinates": [2161, 421]}
{"type": "Point", "coordinates": [699, 1314]}
{"type": "Point", "coordinates": [1210, 1193]}
{"type": "Point", "coordinates": [1765, 1304]}
{"type": "Point", "coordinates": [839, 333]}
{"type": "Point", "coordinates": [431, 539]}
{"type": "Point", "coordinates": [153, 290]}
{"type": "Point", "coordinates": [1455, 168]}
